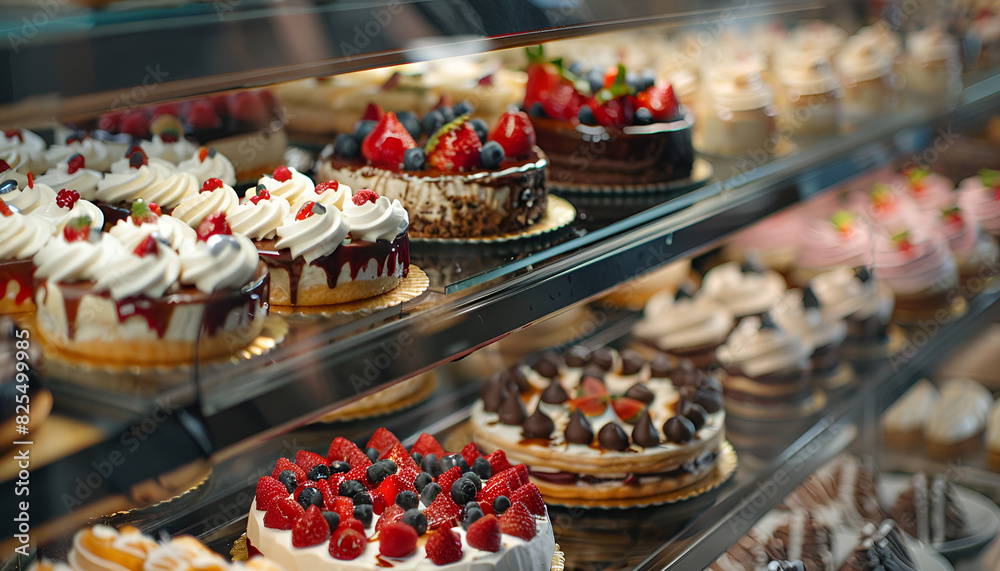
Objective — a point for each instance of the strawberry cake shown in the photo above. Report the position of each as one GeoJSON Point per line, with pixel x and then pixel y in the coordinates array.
{"type": "Point", "coordinates": [464, 181]}
{"type": "Point", "coordinates": [617, 129]}
{"type": "Point", "coordinates": [388, 507]}
{"type": "Point", "coordinates": [603, 425]}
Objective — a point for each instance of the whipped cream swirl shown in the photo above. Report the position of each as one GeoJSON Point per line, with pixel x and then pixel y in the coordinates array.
{"type": "Point", "coordinates": [689, 322]}
{"type": "Point", "coordinates": [378, 220]}
{"type": "Point", "coordinates": [59, 217]}
{"type": "Point", "coordinates": [294, 190]}
{"type": "Point", "coordinates": [92, 547]}
{"type": "Point", "coordinates": [223, 261]}
{"type": "Point", "coordinates": [21, 236]}
{"type": "Point", "coordinates": [174, 232]}
{"type": "Point", "coordinates": [259, 221]}
{"type": "Point", "coordinates": [760, 351]}
{"type": "Point", "coordinates": [23, 150]}
{"type": "Point", "coordinates": [976, 199]}
{"type": "Point", "coordinates": [77, 261]}
{"type": "Point", "coordinates": [125, 186]}
{"type": "Point", "coordinates": [744, 293]}
{"type": "Point", "coordinates": [84, 180]}
{"type": "Point", "coordinates": [196, 207]}
{"type": "Point", "coordinates": [96, 154]}
{"type": "Point", "coordinates": [171, 191]}
{"type": "Point", "coordinates": [131, 275]}
{"type": "Point", "coordinates": [173, 152]}
{"type": "Point", "coordinates": [313, 237]}
{"type": "Point", "coordinates": [29, 198]}
{"type": "Point", "coordinates": [810, 323]}
{"type": "Point", "coordinates": [215, 165]}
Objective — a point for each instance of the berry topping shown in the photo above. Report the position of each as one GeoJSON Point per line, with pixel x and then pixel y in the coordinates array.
{"type": "Point", "coordinates": [4, 209]}
{"type": "Point", "coordinates": [491, 155]}
{"type": "Point", "coordinates": [347, 544]}
{"type": "Point", "coordinates": [485, 534]}
{"type": "Point", "coordinates": [137, 158]}
{"type": "Point", "coordinates": [166, 109]}
{"type": "Point", "coordinates": [31, 180]}
{"type": "Point", "coordinates": [951, 215]}
{"type": "Point", "coordinates": [142, 213]}
{"type": "Point", "coordinates": [902, 241]}
{"type": "Point", "coordinates": [844, 221]}
{"type": "Point", "coordinates": [627, 409]}
{"type": "Point", "coordinates": [202, 115]}
{"type": "Point", "coordinates": [414, 159]}
{"type": "Point", "coordinates": [397, 540]}
{"type": "Point", "coordinates": [517, 521]}
{"type": "Point", "coordinates": [146, 248]}
{"type": "Point", "coordinates": [78, 229]}
{"type": "Point", "coordinates": [310, 529]}
{"type": "Point", "coordinates": [308, 460]}
{"type": "Point", "coordinates": [444, 547]}
{"type": "Point", "coordinates": [249, 107]}
{"type": "Point", "coordinates": [202, 154]}
{"type": "Point", "coordinates": [283, 514]}
{"type": "Point", "coordinates": [262, 194]}
{"type": "Point", "coordinates": [13, 134]}
{"type": "Point", "coordinates": [442, 512]}
{"type": "Point", "coordinates": [498, 461]}
{"type": "Point", "coordinates": [135, 123]}
{"type": "Point", "coordinates": [373, 112]}
{"type": "Point", "coordinates": [213, 224]}
{"type": "Point", "coordinates": [269, 491]}
{"type": "Point", "coordinates": [470, 453]}
{"type": "Point", "coordinates": [110, 121]}
{"type": "Point", "coordinates": [4, 167]}
{"type": "Point", "coordinates": [75, 163]}
{"type": "Point", "coordinates": [455, 147]}
{"type": "Point", "coordinates": [882, 198]}
{"type": "Point", "coordinates": [212, 184]}
{"type": "Point", "coordinates": [156, 208]}
{"type": "Point", "coordinates": [67, 198]}
{"type": "Point", "coordinates": [364, 195]}
{"type": "Point", "coordinates": [529, 495]}
{"type": "Point", "coordinates": [308, 209]}
{"type": "Point", "coordinates": [427, 444]}
{"type": "Point", "coordinates": [325, 186]}
{"type": "Point", "coordinates": [310, 496]}
{"type": "Point", "coordinates": [385, 146]}
{"type": "Point", "coordinates": [390, 514]}
{"type": "Point", "coordinates": [659, 101]}
{"type": "Point", "coordinates": [282, 174]}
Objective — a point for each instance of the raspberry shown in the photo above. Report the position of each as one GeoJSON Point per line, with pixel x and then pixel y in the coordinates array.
{"type": "Point", "coordinates": [75, 163]}
{"type": "Point", "coordinates": [67, 198]}
{"type": "Point", "coordinates": [325, 186]}
{"type": "Point", "coordinates": [364, 195]}
{"type": "Point", "coordinates": [282, 174]}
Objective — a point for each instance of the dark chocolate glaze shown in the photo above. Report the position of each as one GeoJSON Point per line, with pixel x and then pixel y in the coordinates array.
{"type": "Point", "coordinates": [578, 430]}
{"type": "Point", "coordinates": [538, 425]}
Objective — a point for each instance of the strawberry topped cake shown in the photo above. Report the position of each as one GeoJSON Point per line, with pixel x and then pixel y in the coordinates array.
{"type": "Point", "coordinates": [607, 128]}
{"type": "Point", "coordinates": [389, 507]}
{"type": "Point", "coordinates": [456, 180]}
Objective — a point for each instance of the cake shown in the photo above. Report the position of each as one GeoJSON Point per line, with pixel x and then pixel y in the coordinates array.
{"type": "Point", "coordinates": [880, 547]}
{"type": "Point", "coordinates": [842, 493]}
{"type": "Point", "coordinates": [747, 554]}
{"type": "Point", "coordinates": [387, 506]}
{"type": "Point", "coordinates": [932, 69]}
{"type": "Point", "coordinates": [865, 305]}
{"type": "Point", "coordinates": [810, 102]}
{"type": "Point", "coordinates": [74, 173]}
{"type": "Point", "coordinates": [686, 326]}
{"type": "Point", "coordinates": [955, 425]}
{"type": "Point", "coordinates": [979, 198]}
{"type": "Point", "coordinates": [739, 116]}
{"type": "Point", "coordinates": [21, 237]}
{"type": "Point", "coordinates": [802, 538]}
{"type": "Point", "coordinates": [618, 129]}
{"type": "Point", "coordinates": [800, 312]}
{"type": "Point", "coordinates": [929, 510]}
{"type": "Point", "coordinates": [463, 182]}
{"type": "Point", "coordinates": [841, 239]}
{"type": "Point", "coordinates": [903, 423]}
{"type": "Point", "coordinates": [603, 425]}
{"type": "Point", "coordinates": [866, 74]}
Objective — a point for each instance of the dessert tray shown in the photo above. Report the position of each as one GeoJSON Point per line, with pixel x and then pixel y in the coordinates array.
{"type": "Point", "coordinates": [701, 172]}
{"type": "Point", "coordinates": [558, 213]}
{"type": "Point", "coordinates": [414, 284]}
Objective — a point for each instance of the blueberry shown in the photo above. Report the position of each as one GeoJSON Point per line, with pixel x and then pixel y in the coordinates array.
{"type": "Point", "coordinates": [432, 121]}
{"type": "Point", "coordinates": [319, 472]}
{"type": "Point", "coordinates": [447, 113]}
{"type": "Point", "coordinates": [338, 467]}
{"type": "Point", "coordinates": [417, 457]}
{"type": "Point", "coordinates": [410, 122]}
{"type": "Point", "coordinates": [376, 474]}
{"type": "Point", "coordinates": [463, 108]}
{"type": "Point", "coordinates": [310, 497]}
{"type": "Point", "coordinates": [431, 466]}
{"type": "Point", "coordinates": [422, 480]}
{"type": "Point", "coordinates": [407, 500]}
{"type": "Point", "coordinates": [362, 498]}
{"type": "Point", "coordinates": [416, 519]}
{"type": "Point", "coordinates": [372, 454]}
{"type": "Point", "coordinates": [648, 79]}
{"type": "Point", "coordinates": [537, 110]}
{"type": "Point", "coordinates": [481, 129]}
{"type": "Point", "coordinates": [365, 513]}
{"type": "Point", "coordinates": [482, 468]}
{"type": "Point", "coordinates": [351, 488]}
{"type": "Point", "coordinates": [362, 129]}
{"type": "Point", "coordinates": [452, 460]}
{"type": "Point", "coordinates": [595, 77]}
{"type": "Point", "coordinates": [643, 116]}
{"type": "Point", "coordinates": [501, 504]}
{"type": "Point", "coordinates": [463, 491]}
{"type": "Point", "coordinates": [586, 116]}
{"type": "Point", "coordinates": [475, 479]}
{"type": "Point", "coordinates": [430, 492]}
{"type": "Point", "coordinates": [471, 517]}
{"type": "Point", "coordinates": [287, 477]}
{"type": "Point", "coordinates": [332, 520]}
{"type": "Point", "coordinates": [346, 146]}
{"type": "Point", "coordinates": [491, 156]}
{"type": "Point", "coordinates": [414, 160]}
{"type": "Point", "coordinates": [471, 505]}
{"type": "Point", "coordinates": [577, 67]}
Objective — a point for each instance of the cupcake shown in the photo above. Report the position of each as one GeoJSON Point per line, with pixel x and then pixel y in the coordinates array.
{"type": "Point", "coordinates": [744, 291]}
{"type": "Point", "coordinates": [931, 70]}
{"type": "Point", "coordinates": [866, 74]}
{"type": "Point", "coordinates": [73, 174]}
{"type": "Point", "coordinates": [28, 198]}
{"type": "Point", "coordinates": [810, 97]}
{"type": "Point", "coordinates": [23, 150]}
{"type": "Point", "coordinates": [903, 423]}
{"type": "Point", "coordinates": [95, 153]}
{"type": "Point", "coordinates": [207, 163]}
{"type": "Point", "coordinates": [975, 251]}
{"type": "Point", "coordinates": [921, 271]}
{"type": "Point", "coordinates": [979, 199]}
{"type": "Point", "coordinates": [843, 239]}
{"type": "Point", "coordinates": [130, 179]}
{"type": "Point", "coordinates": [689, 327]}
{"type": "Point", "coordinates": [775, 241]}
{"type": "Point", "coordinates": [862, 302]}
{"type": "Point", "coordinates": [799, 312]}
{"type": "Point", "coordinates": [955, 425]}
{"type": "Point", "coordinates": [21, 237]}
{"type": "Point", "coordinates": [739, 115]}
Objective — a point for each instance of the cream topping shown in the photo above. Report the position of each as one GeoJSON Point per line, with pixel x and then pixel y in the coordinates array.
{"type": "Point", "coordinates": [129, 542]}
{"type": "Point", "coordinates": [841, 293]}
{"type": "Point", "coordinates": [11, 174]}
{"type": "Point", "coordinates": [21, 236]}
{"type": "Point", "coordinates": [29, 198]}
{"type": "Point", "coordinates": [220, 262]}
{"type": "Point", "coordinates": [313, 237]}
{"type": "Point", "coordinates": [993, 428]}
{"type": "Point", "coordinates": [132, 275]}
{"type": "Point", "coordinates": [59, 217]}
{"type": "Point", "coordinates": [259, 221]}
{"type": "Point", "coordinates": [174, 152]}
{"type": "Point", "coordinates": [738, 87]}
{"type": "Point", "coordinates": [930, 45]}
{"type": "Point", "coordinates": [744, 293]}
{"type": "Point", "coordinates": [926, 265]}
{"type": "Point", "coordinates": [176, 233]}
{"type": "Point", "coordinates": [690, 322]}
{"type": "Point", "coordinates": [171, 191]}
{"type": "Point", "coordinates": [125, 186]}
{"type": "Point", "coordinates": [196, 207]}
{"type": "Point", "coordinates": [815, 328]}
{"type": "Point", "coordinates": [379, 220]}
{"type": "Point", "coordinates": [863, 59]}
{"type": "Point", "coordinates": [24, 151]}
{"type": "Point", "coordinates": [81, 260]}
{"type": "Point", "coordinates": [84, 180]}
{"type": "Point", "coordinates": [214, 166]}
{"type": "Point", "coordinates": [95, 153]}
{"type": "Point", "coordinates": [161, 168]}
{"type": "Point", "coordinates": [757, 351]}
{"type": "Point", "coordinates": [911, 411]}
{"type": "Point", "coordinates": [960, 412]}
{"type": "Point", "coordinates": [811, 75]}
{"type": "Point", "coordinates": [293, 190]}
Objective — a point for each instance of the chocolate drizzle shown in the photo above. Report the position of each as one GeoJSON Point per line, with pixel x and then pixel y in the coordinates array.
{"type": "Point", "coordinates": [554, 393]}
{"type": "Point", "coordinates": [578, 430]}
{"type": "Point", "coordinates": [644, 433]}
{"type": "Point", "coordinates": [678, 429]}
{"type": "Point", "coordinates": [640, 393]}
{"type": "Point", "coordinates": [512, 411]}
{"type": "Point", "coordinates": [612, 437]}
{"type": "Point", "coordinates": [538, 425]}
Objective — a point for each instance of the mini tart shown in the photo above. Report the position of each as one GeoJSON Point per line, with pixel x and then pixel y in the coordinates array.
{"type": "Point", "coordinates": [456, 205]}
{"type": "Point", "coordinates": [102, 546]}
{"type": "Point", "coordinates": [633, 155]}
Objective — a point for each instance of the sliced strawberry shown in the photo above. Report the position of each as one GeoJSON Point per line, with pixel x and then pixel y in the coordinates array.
{"type": "Point", "coordinates": [308, 460]}
{"type": "Point", "coordinates": [4, 209]}
{"type": "Point", "coordinates": [444, 547]}
{"type": "Point", "coordinates": [67, 198]}
{"type": "Point", "coordinates": [455, 147]}
{"type": "Point", "coordinates": [78, 229]}
{"type": "Point", "coordinates": [471, 452]}
{"type": "Point", "coordinates": [310, 529]}
{"type": "Point", "coordinates": [613, 113]}
{"type": "Point", "coordinates": [498, 461]}
{"type": "Point", "coordinates": [212, 184]}
{"type": "Point", "coordinates": [325, 186]}
{"type": "Point", "coordinates": [490, 493]}
{"type": "Point", "coordinates": [344, 507]}
{"type": "Point", "coordinates": [141, 213]}
{"type": "Point", "coordinates": [627, 409]}
{"type": "Point", "coordinates": [329, 488]}
{"type": "Point", "coordinates": [484, 534]}
{"type": "Point", "coordinates": [515, 133]}
{"type": "Point", "coordinates": [590, 406]}
{"type": "Point", "coordinates": [448, 478]}
{"type": "Point", "coordinates": [591, 387]}
{"type": "Point", "coordinates": [427, 444]}
{"type": "Point", "coordinates": [214, 223]}
{"type": "Point", "coordinates": [269, 491]}
{"type": "Point", "coordinates": [397, 540]}
{"type": "Point", "coordinates": [282, 174]}
{"type": "Point", "coordinates": [661, 102]}
{"type": "Point", "coordinates": [443, 512]}
{"type": "Point", "coordinates": [283, 514]}
{"type": "Point", "coordinates": [392, 513]}
{"type": "Point", "coordinates": [541, 77]}
{"type": "Point", "coordinates": [373, 112]}
{"type": "Point", "coordinates": [347, 544]}
{"type": "Point", "coordinates": [529, 495]}
{"type": "Point", "coordinates": [391, 486]}
{"type": "Point", "coordinates": [385, 145]}
{"type": "Point", "coordinates": [382, 440]}
{"type": "Point", "coordinates": [343, 450]}
{"type": "Point", "coordinates": [522, 472]}
{"type": "Point", "coordinates": [147, 247]}
{"type": "Point", "coordinates": [402, 458]}
{"type": "Point", "coordinates": [517, 521]}
{"type": "Point", "coordinates": [285, 464]}
{"type": "Point", "coordinates": [155, 209]}
{"type": "Point", "coordinates": [75, 163]}
{"type": "Point", "coordinates": [513, 476]}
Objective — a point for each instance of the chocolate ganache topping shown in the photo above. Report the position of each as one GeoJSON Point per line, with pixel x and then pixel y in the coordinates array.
{"type": "Point", "coordinates": [693, 412]}
{"type": "Point", "coordinates": [678, 429]}
{"type": "Point", "coordinates": [512, 411]}
{"type": "Point", "coordinates": [577, 356]}
{"type": "Point", "coordinates": [644, 433]}
{"type": "Point", "coordinates": [612, 437]}
{"type": "Point", "coordinates": [603, 358]}
{"type": "Point", "coordinates": [548, 365]}
{"type": "Point", "coordinates": [578, 430]}
{"type": "Point", "coordinates": [640, 393]}
{"type": "Point", "coordinates": [554, 393]}
{"type": "Point", "coordinates": [538, 425]}
{"type": "Point", "coordinates": [632, 362]}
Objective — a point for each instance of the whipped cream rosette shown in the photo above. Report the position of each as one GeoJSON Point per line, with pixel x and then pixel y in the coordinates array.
{"type": "Point", "coordinates": [7, 173]}
{"type": "Point", "coordinates": [214, 196]}
{"type": "Point", "coordinates": [289, 184]}
{"type": "Point", "coordinates": [21, 237]}
{"type": "Point", "coordinates": [23, 150]}
{"type": "Point", "coordinates": [855, 296]}
{"type": "Point", "coordinates": [329, 193]}
{"type": "Point", "coordinates": [73, 174]}
{"type": "Point", "coordinates": [172, 150]}
{"type": "Point", "coordinates": [207, 164]}
{"type": "Point", "coordinates": [745, 291]}
{"type": "Point", "coordinates": [932, 192]}
{"type": "Point", "coordinates": [979, 198]}
{"type": "Point", "coordinates": [33, 195]}
{"type": "Point", "coordinates": [689, 327]}
{"type": "Point", "coordinates": [96, 153]}
{"type": "Point", "coordinates": [866, 73]}
{"type": "Point", "coordinates": [799, 312]}
{"type": "Point", "coordinates": [258, 216]}
{"type": "Point", "coordinates": [133, 231]}
{"type": "Point", "coordinates": [130, 179]}
{"type": "Point", "coordinates": [956, 423]}
{"type": "Point", "coordinates": [68, 205]}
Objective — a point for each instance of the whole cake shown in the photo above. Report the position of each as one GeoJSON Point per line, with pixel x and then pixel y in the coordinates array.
{"type": "Point", "coordinates": [604, 425]}
{"type": "Point", "coordinates": [463, 182]}
{"type": "Point", "coordinates": [389, 507]}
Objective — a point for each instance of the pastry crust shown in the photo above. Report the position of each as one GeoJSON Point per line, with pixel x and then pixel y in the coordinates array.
{"type": "Point", "coordinates": [321, 294]}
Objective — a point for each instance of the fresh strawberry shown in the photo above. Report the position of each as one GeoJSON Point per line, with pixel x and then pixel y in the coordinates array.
{"type": "Point", "coordinates": [385, 145]}
{"type": "Point", "coordinates": [402, 458]}
{"type": "Point", "coordinates": [951, 215]}
{"type": "Point", "coordinates": [285, 464]}
{"type": "Point", "coordinates": [262, 194]}
{"type": "Point", "coordinates": [155, 209]}
{"type": "Point", "coordinates": [542, 76]}
{"type": "Point", "coordinates": [4, 209]}
{"type": "Point", "coordinates": [373, 112]}
{"type": "Point", "coordinates": [390, 514]}
{"type": "Point", "coordinates": [563, 101]}
{"type": "Point", "coordinates": [397, 540]}
{"type": "Point", "coordinates": [147, 247]}
{"type": "Point", "coordinates": [514, 133]}
{"type": "Point", "coordinates": [902, 241]}
{"type": "Point", "coordinates": [347, 544]}
{"type": "Point", "coordinates": [282, 174]}
{"type": "Point", "coordinates": [166, 109]}
{"type": "Point", "coordinates": [308, 460]}
{"type": "Point", "coordinates": [110, 121]}
{"type": "Point", "coordinates": [590, 406]}
{"type": "Point", "coordinates": [408, 473]}
{"type": "Point", "coordinates": [249, 107]}
{"type": "Point", "coordinates": [522, 473]}
{"type": "Point", "coordinates": [498, 461]}
{"type": "Point", "coordinates": [141, 213]}
{"type": "Point", "coordinates": [529, 495]}
{"type": "Point", "coordinates": [628, 409]}
{"type": "Point", "coordinates": [283, 514]}
{"type": "Point", "coordinates": [443, 511]}
{"type": "Point", "coordinates": [448, 478]}
{"type": "Point", "coordinates": [325, 186]}
{"type": "Point", "coordinates": [344, 507]}
{"type": "Point", "coordinates": [310, 529]}
{"type": "Point", "coordinates": [517, 521]}
{"type": "Point", "coordinates": [882, 198]}
{"type": "Point", "coordinates": [427, 444]}
{"type": "Point", "coordinates": [491, 492]}
{"type": "Point", "coordinates": [512, 476]}
{"type": "Point", "coordinates": [344, 450]}
{"type": "Point", "coordinates": [329, 488]}
{"type": "Point", "coordinates": [392, 485]}
{"type": "Point", "coordinates": [135, 123]}
{"type": "Point", "coordinates": [203, 153]}
{"type": "Point", "coordinates": [364, 195]}
{"type": "Point", "coordinates": [484, 534]}
{"type": "Point", "coordinates": [214, 223]}
{"type": "Point", "coordinates": [31, 180]}
{"type": "Point", "coordinates": [661, 102]}
{"type": "Point", "coordinates": [75, 163]}
{"type": "Point", "coordinates": [471, 452]}
{"type": "Point", "coordinates": [591, 387]}
{"type": "Point", "coordinates": [67, 198]}
{"type": "Point", "coordinates": [444, 547]}
{"type": "Point", "coordinates": [77, 229]}
{"type": "Point", "coordinates": [613, 112]}
{"type": "Point", "coordinates": [353, 523]}
{"type": "Point", "coordinates": [382, 440]}
{"type": "Point", "coordinates": [455, 147]}
{"type": "Point", "coordinates": [202, 115]}
{"type": "Point", "coordinates": [269, 491]}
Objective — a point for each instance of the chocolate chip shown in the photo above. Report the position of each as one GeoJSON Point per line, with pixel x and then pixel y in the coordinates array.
{"type": "Point", "coordinates": [632, 362]}
{"type": "Point", "coordinates": [661, 366]}
{"type": "Point", "coordinates": [640, 393]}
{"type": "Point", "coordinates": [603, 358]}
{"type": "Point", "coordinates": [494, 392]}
{"type": "Point", "coordinates": [693, 412]}
{"type": "Point", "coordinates": [578, 430]}
{"type": "Point", "coordinates": [538, 425]}
{"type": "Point", "coordinates": [678, 429]}
{"type": "Point", "coordinates": [517, 375]}
{"type": "Point", "coordinates": [809, 299]}
{"type": "Point", "coordinates": [577, 356]}
{"type": "Point", "coordinates": [548, 365]}
{"type": "Point", "coordinates": [512, 410]}
{"type": "Point", "coordinates": [612, 437]}
{"type": "Point", "coordinates": [554, 393]}
{"type": "Point", "coordinates": [644, 433]}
